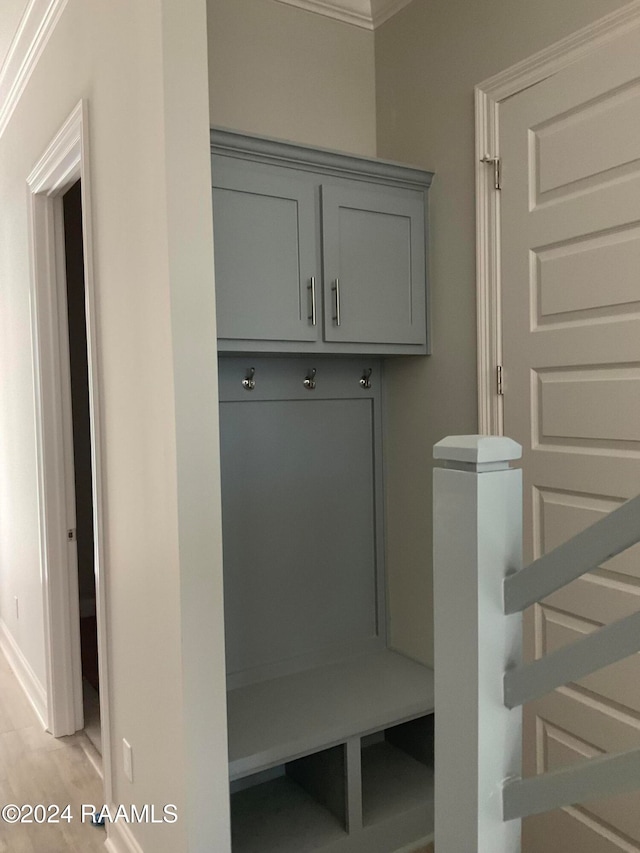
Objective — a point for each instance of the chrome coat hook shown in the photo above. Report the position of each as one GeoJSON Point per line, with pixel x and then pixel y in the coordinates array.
{"type": "Point", "coordinates": [310, 380]}
{"type": "Point", "coordinates": [249, 383]}
{"type": "Point", "coordinates": [365, 380]}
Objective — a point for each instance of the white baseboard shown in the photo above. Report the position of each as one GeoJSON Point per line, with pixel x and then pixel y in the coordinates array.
{"type": "Point", "coordinates": [120, 838]}
{"type": "Point", "coordinates": [28, 680]}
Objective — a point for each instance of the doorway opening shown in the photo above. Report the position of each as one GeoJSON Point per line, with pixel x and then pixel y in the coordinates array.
{"type": "Point", "coordinates": [83, 477]}
{"type": "Point", "coordinates": [70, 511]}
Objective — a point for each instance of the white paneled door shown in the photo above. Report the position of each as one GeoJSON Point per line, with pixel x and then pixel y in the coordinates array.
{"type": "Point", "coordinates": [570, 256]}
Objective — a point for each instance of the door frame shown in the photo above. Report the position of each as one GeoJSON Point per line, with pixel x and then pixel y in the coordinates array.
{"type": "Point", "coordinates": [488, 97]}
{"type": "Point", "coordinates": [65, 160]}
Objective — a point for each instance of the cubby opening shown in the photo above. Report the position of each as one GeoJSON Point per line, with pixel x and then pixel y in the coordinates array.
{"type": "Point", "coordinates": [397, 774]}
{"type": "Point", "coordinates": [296, 807]}
{"type": "Point", "coordinates": [373, 793]}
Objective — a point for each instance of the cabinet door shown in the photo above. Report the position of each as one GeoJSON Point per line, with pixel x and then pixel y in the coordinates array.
{"type": "Point", "coordinates": [266, 255]}
{"type": "Point", "coordinates": [374, 264]}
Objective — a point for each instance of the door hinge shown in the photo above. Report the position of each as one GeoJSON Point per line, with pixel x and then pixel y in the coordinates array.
{"type": "Point", "coordinates": [499, 385]}
{"type": "Point", "coordinates": [496, 162]}
{"type": "Point", "coordinates": [71, 534]}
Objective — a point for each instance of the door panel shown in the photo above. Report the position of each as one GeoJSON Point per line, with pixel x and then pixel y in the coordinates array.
{"type": "Point", "coordinates": [570, 252]}
{"type": "Point", "coordinates": [374, 245]}
{"type": "Point", "coordinates": [568, 279]}
{"type": "Point", "coordinates": [590, 141]}
{"type": "Point", "coordinates": [266, 250]}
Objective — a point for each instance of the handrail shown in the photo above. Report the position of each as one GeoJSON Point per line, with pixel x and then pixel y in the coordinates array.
{"type": "Point", "coordinates": [609, 774]}
{"type": "Point", "coordinates": [597, 777]}
{"type": "Point", "coordinates": [606, 646]}
{"type": "Point", "coordinates": [608, 537]}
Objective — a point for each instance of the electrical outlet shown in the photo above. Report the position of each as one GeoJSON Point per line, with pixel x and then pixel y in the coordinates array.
{"type": "Point", "coordinates": [127, 759]}
{"type": "Point", "coordinates": [15, 599]}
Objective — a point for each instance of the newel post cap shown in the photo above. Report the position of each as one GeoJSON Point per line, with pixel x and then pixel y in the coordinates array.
{"type": "Point", "coordinates": [477, 449]}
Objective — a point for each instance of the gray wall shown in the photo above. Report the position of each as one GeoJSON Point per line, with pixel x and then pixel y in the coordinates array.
{"type": "Point", "coordinates": [284, 72]}
{"type": "Point", "coordinates": [428, 59]}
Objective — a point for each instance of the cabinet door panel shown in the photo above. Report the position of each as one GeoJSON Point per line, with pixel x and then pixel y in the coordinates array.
{"type": "Point", "coordinates": [265, 227]}
{"type": "Point", "coordinates": [374, 245]}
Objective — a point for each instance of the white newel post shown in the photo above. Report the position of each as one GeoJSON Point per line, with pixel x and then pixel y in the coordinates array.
{"type": "Point", "coordinates": [477, 542]}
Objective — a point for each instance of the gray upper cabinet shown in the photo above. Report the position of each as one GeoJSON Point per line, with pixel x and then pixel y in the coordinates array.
{"type": "Point", "coordinates": [316, 251]}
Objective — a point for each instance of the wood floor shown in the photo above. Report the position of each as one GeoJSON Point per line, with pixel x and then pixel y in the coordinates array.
{"type": "Point", "coordinates": [37, 768]}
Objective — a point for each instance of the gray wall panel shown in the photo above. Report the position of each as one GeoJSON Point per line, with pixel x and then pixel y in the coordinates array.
{"type": "Point", "coordinates": [300, 523]}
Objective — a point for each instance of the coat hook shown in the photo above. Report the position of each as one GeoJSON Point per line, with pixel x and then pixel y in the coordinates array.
{"type": "Point", "coordinates": [365, 381]}
{"type": "Point", "coordinates": [310, 380]}
{"type": "Point", "coordinates": [249, 383]}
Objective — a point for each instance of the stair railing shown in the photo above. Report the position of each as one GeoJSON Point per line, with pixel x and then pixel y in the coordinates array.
{"type": "Point", "coordinates": [481, 683]}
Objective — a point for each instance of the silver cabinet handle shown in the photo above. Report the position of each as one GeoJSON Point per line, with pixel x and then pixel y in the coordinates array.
{"type": "Point", "coordinates": [336, 287]}
{"type": "Point", "coordinates": [312, 288]}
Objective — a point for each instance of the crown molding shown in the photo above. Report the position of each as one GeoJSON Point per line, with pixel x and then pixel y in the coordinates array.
{"type": "Point", "coordinates": [356, 12]}
{"type": "Point", "coordinates": [33, 33]}
{"type": "Point", "coordinates": [367, 14]}
{"type": "Point", "coordinates": [232, 143]}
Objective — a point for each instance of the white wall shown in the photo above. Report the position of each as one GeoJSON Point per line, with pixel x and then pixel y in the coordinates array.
{"type": "Point", "coordinates": [10, 16]}
{"type": "Point", "coordinates": [281, 71]}
{"type": "Point", "coordinates": [142, 68]}
{"type": "Point", "coordinates": [428, 59]}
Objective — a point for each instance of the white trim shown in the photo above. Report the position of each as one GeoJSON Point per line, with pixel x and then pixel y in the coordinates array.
{"type": "Point", "coordinates": [367, 14]}
{"type": "Point", "coordinates": [488, 301]}
{"type": "Point", "coordinates": [33, 33]}
{"type": "Point", "coordinates": [65, 160]}
{"type": "Point", "coordinates": [565, 52]}
{"type": "Point", "coordinates": [28, 680]}
{"type": "Point", "coordinates": [120, 839]}
{"type": "Point", "coordinates": [489, 95]}
{"type": "Point", "coordinates": [356, 12]}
